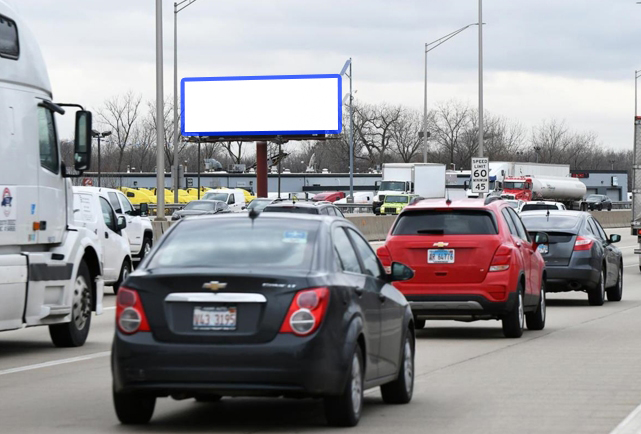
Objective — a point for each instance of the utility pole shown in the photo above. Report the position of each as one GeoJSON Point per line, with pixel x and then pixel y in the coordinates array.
{"type": "Point", "coordinates": [160, 134]}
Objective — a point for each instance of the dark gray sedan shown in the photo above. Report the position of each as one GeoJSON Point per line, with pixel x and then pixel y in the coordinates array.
{"type": "Point", "coordinates": [201, 207]}
{"type": "Point", "coordinates": [598, 202]}
{"type": "Point", "coordinates": [579, 256]}
{"type": "Point", "coordinates": [270, 305]}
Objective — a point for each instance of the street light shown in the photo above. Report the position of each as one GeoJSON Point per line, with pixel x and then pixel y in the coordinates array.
{"type": "Point", "coordinates": [429, 47]}
{"type": "Point", "coordinates": [160, 127]}
{"type": "Point", "coordinates": [344, 72]}
{"type": "Point", "coordinates": [537, 149]}
{"type": "Point", "coordinates": [637, 74]}
{"type": "Point", "coordinates": [480, 79]}
{"type": "Point", "coordinates": [99, 136]}
{"type": "Point", "coordinates": [174, 168]}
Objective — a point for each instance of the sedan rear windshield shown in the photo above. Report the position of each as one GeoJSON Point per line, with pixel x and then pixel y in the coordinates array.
{"type": "Point", "coordinates": [291, 209]}
{"type": "Point", "coordinates": [237, 243]}
{"type": "Point", "coordinates": [538, 207]}
{"type": "Point", "coordinates": [455, 222]}
{"type": "Point", "coordinates": [557, 222]}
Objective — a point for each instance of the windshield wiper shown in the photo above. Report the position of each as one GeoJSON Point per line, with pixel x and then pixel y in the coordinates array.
{"type": "Point", "coordinates": [431, 231]}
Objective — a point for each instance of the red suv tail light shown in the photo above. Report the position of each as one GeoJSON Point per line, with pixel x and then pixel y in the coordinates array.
{"type": "Point", "coordinates": [306, 312]}
{"type": "Point", "coordinates": [130, 316]}
{"type": "Point", "coordinates": [501, 260]}
{"type": "Point", "coordinates": [583, 243]}
{"type": "Point", "coordinates": [385, 257]}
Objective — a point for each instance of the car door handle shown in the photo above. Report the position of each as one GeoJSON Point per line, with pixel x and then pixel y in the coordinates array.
{"type": "Point", "coordinates": [518, 244]}
{"type": "Point", "coordinates": [382, 297]}
{"type": "Point", "coordinates": [106, 234]}
{"type": "Point", "coordinates": [359, 291]}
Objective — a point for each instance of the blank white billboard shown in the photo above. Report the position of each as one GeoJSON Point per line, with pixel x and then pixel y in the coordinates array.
{"type": "Point", "coordinates": [261, 105]}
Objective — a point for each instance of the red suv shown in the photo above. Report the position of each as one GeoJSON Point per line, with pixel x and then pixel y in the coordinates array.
{"type": "Point", "coordinates": [473, 260]}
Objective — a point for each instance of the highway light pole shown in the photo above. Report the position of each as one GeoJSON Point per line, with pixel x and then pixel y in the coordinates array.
{"type": "Point", "coordinates": [160, 133]}
{"type": "Point", "coordinates": [481, 150]}
{"type": "Point", "coordinates": [637, 74]}
{"type": "Point", "coordinates": [174, 167]}
{"type": "Point", "coordinates": [347, 65]}
{"type": "Point", "coordinates": [429, 47]}
{"type": "Point", "coordinates": [99, 136]}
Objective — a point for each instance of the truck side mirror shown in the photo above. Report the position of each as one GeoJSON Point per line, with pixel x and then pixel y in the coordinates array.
{"type": "Point", "coordinates": [144, 209]}
{"type": "Point", "coordinates": [82, 143]}
{"type": "Point", "coordinates": [122, 223]}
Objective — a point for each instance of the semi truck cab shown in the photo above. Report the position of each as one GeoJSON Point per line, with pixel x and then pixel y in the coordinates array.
{"type": "Point", "coordinates": [518, 188]}
{"type": "Point", "coordinates": [50, 270]}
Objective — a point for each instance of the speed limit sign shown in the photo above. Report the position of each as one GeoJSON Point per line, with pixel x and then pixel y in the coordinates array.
{"type": "Point", "coordinates": [480, 175]}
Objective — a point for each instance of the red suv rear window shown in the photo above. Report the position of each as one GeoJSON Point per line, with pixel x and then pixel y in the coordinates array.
{"type": "Point", "coordinates": [450, 222]}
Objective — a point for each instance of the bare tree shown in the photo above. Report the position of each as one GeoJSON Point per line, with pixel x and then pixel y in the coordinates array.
{"type": "Point", "coordinates": [452, 122]}
{"type": "Point", "coordinates": [120, 114]}
{"type": "Point", "coordinates": [405, 133]}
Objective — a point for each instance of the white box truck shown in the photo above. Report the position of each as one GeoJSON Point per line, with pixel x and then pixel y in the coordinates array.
{"type": "Point", "coordinates": [50, 270]}
{"type": "Point", "coordinates": [424, 179]}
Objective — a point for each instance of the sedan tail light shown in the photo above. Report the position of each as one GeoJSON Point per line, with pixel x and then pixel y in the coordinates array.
{"type": "Point", "coordinates": [582, 244]}
{"type": "Point", "coordinates": [130, 316]}
{"type": "Point", "coordinates": [502, 259]}
{"type": "Point", "coordinates": [306, 312]}
{"type": "Point", "coordinates": [385, 257]}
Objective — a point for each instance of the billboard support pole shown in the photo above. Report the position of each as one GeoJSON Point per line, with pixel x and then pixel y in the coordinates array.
{"type": "Point", "coordinates": [261, 169]}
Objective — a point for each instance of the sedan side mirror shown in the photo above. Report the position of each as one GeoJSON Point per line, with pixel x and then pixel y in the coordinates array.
{"type": "Point", "coordinates": [122, 223]}
{"type": "Point", "coordinates": [400, 272]}
{"type": "Point", "coordinates": [82, 141]}
{"type": "Point", "coordinates": [615, 238]}
{"type": "Point", "coordinates": [541, 238]}
{"type": "Point", "coordinates": [144, 209]}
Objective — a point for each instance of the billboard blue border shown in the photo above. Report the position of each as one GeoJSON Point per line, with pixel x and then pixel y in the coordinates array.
{"type": "Point", "coordinates": [262, 133]}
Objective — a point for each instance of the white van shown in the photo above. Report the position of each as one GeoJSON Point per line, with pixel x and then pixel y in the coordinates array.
{"type": "Point", "coordinates": [139, 231]}
{"type": "Point", "coordinates": [94, 212]}
{"type": "Point", "coordinates": [234, 197]}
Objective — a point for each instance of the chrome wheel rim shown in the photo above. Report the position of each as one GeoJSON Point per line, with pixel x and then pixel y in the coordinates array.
{"type": "Point", "coordinates": [409, 367]}
{"type": "Point", "coordinates": [543, 303]}
{"type": "Point", "coordinates": [620, 279]}
{"type": "Point", "coordinates": [81, 302]}
{"type": "Point", "coordinates": [602, 284]}
{"type": "Point", "coordinates": [125, 272]}
{"type": "Point", "coordinates": [146, 249]}
{"type": "Point", "coordinates": [521, 310]}
{"type": "Point", "coordinates": [357, 387]}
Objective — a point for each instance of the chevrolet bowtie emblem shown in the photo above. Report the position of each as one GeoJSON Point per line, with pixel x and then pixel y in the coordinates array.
{"type": "Point", "coordinates": [214, 286]}
{"type": "Point", "coordinates": [441, 244]}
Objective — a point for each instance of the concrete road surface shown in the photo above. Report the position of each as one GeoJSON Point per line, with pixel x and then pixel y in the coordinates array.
{"type": "Point", "coordinates": [582, 374]}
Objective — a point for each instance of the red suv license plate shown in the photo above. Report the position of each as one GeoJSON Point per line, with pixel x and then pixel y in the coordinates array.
{"type": "Point", "coordinates": [440, 256]}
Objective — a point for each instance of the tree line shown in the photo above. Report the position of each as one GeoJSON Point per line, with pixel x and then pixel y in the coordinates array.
{"type": "Point", "coordinates": [383, 133]}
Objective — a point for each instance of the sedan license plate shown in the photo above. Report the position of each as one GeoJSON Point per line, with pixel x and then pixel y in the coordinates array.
{"type": "Point", "coordinates": [440, 256]}
{"type": "Point", "coordinates": [215, 318]}
{"type": "Point", "coordinates": [543, 249]}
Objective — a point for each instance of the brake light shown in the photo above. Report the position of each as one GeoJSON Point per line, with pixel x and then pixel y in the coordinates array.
{"type": "Point", "coordinates": [583, 243]}
{"type": "Point", "coordinates": [306, 312]}
{"type": "Point", "coordinates": [501, 260]}
{"type": "Point", "coordinates": [130, 316]}
{"type": "Point", "coordinates": [385, 257]}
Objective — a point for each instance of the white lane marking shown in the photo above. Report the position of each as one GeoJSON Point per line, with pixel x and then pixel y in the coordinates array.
{"type": "Point", "coordinates": [631, 424]}
{"type": "Point", "coordinates": [633, 265]}
{"type": "Point", "coordinates": [55, 363]}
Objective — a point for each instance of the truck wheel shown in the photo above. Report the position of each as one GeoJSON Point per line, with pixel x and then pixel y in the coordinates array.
{"type": "Point", "coordinates": [146, 247]}
{"type": "Point", "coordinates": [346, 409]}
{"type": "Point", "coordinates": [596, 295]}
{"type": "Point", "coordinates": [133, 408]}
{"type": "Point", "coordinates": [536, 320]}
{"type": "Point", "coordinates": [616, 292]}
{"type": "Point", "coordinates": [513, 321]}
{"type": "Point", "coordinates": [125, 271]}
{"type": "Point", "coordinates": [75, 332]}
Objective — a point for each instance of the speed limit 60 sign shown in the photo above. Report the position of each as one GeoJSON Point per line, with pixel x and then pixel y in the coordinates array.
{"type": "Point", "coordinates": [480, 175]}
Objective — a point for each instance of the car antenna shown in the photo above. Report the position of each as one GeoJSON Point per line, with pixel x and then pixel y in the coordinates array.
{"type": "Point", "coordinates": [548, 214]}
{"type": "Point", "coordinates": [447, 200]}
{"type": "Point", "coordinates": [252, 215]}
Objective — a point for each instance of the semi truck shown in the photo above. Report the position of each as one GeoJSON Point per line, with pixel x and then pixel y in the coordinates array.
{"type": "Point", "coordinates": [50, 270]}
{"type": "Point", "coordinates": [426, 180]}
{"type": "Point", "coordinates": [501, 169]}
{"type": "Point", "coordinates": [528, 188]}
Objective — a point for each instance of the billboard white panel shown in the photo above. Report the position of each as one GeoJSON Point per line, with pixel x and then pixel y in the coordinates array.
{"type": "Point", "coordinates": [261, 105]}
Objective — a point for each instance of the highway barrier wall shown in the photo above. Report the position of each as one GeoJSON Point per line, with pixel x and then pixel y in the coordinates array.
{"type": "Point", "coordinates": [375, 228]}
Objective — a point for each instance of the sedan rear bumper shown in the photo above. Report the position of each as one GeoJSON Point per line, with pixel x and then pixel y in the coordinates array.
{"type": "Point", "coordinates": [582, 273]}
{"type": "Point", "coordinates": [286, 366]}
{"type": "Point", "coordinates": [459, 306]}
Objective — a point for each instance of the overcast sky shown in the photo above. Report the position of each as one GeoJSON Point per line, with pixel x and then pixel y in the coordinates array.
{"type": "Point", "coordinates": [544, 59]}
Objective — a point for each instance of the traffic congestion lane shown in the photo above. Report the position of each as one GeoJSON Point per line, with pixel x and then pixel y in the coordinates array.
{"type": "Point", "coordinates": [577, 375]}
